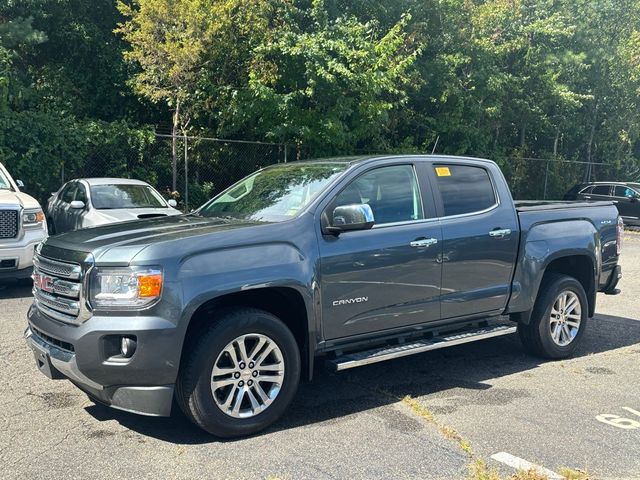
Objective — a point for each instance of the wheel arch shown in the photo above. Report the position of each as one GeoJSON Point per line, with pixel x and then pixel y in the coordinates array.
{"type": "Point", "coordinates": [577, 264]}
{"type": "Point", "coordinates": [285, 302]}
{"type": "Point", "coordinates": [582, 268]}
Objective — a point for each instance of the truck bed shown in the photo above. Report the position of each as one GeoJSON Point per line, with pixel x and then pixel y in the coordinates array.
{"type": "Point", "coordinates": [541, 205]}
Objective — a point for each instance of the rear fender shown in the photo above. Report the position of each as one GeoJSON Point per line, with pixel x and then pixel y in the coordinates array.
{"type": "Point", "coordinates": [545, 244]}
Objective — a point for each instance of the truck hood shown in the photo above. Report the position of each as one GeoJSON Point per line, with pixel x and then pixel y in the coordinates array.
{"type": "Point", "coordinates": [19, 199]}
{"type": "Point", "coordinates": [122, 214]}
{"type": "Point", "coordinates": [119, 243]}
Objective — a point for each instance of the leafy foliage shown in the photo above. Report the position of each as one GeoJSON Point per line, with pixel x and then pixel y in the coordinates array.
{"type": "Point", "coordinates": [505, 79]}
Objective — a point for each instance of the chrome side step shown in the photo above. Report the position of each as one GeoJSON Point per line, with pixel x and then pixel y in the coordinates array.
{"type": "Point", "coordinates": [357, 359]}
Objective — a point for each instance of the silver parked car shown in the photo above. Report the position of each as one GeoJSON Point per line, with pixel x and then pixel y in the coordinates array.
{"type": "Point", "coordinates": [88, 202]}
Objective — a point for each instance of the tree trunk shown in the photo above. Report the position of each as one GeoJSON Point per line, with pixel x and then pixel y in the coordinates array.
{"type": "Point", "coordinates": [587, 175]}
{"type": "Point", "coordinates": [555, 143]}
{"type": "Point", "coordinates": [174, 146]}
{"type": "Point", "coordinates": [523, 132]}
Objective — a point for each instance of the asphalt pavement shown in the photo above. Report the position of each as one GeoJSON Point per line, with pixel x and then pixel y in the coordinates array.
{"type": "Point", "coordinates": [426, 416]}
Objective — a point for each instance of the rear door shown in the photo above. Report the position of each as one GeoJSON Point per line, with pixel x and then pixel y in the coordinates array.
{"type": "Point", "coordinates": [389, 276]}
{"type": "Point", "coordinates": [480, 233]}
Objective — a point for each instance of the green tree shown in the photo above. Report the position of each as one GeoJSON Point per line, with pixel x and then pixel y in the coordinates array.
{"type": "Point", "coordinates": [326, 83]}
{"type": "Point", "coordinates": [167, 39]}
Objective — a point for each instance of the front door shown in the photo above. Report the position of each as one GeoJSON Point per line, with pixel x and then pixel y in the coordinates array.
{"type": "Point", "coordinates": [480, 240]}
{"type": "Point", "coordinates": [388, 276]}
{"type": "Point", "coordinates": [61, 218]}
{"type": "Point", "coordinates": [627, 202]}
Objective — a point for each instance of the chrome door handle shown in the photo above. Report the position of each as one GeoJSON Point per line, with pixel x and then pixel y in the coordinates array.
{"type": "Point", "coordinates": [499, 233]}
{"type": "Point", "coordinates": [424, 242]}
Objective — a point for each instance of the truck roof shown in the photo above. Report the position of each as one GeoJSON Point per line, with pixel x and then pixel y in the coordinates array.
{"type": "Point", "coordinates": [350, 160]}
{"type": "Point", "coordinates": [111, 181]}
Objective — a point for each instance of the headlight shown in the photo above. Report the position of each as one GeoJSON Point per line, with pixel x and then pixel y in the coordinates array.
{"type": "Point", "coordinates": [125, 287]}
{"type": "Point", "coordinates": [33, 218]}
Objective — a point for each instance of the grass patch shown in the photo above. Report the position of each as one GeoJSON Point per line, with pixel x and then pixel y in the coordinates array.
{"type": "Point", "coordinates": [448, 432]}
{"type": "Point", "coordinates": [571, 474]}
{"type": "Point", "coordinates": [479, 470]}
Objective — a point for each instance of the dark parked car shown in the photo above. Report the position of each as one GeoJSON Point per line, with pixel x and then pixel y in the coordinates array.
{"type": "Point", "coordinates": [626, 196]}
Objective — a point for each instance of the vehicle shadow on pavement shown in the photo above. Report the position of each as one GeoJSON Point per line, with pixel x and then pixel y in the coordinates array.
{"type": "Point", "coordinates": [15, 289]}
{"type": "Point", "coordinates": [331, 397]}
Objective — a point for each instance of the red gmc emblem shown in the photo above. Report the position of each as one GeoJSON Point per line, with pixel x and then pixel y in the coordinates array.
{"type": "Point", "coordinates": [43, 282]}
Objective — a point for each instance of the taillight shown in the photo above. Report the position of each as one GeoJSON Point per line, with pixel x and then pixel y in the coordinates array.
{"type": "Point", "coordinates": [619, 235]}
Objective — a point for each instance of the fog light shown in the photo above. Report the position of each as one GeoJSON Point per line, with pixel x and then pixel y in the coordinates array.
{"type": "Point", "coordinates": [127, 347]}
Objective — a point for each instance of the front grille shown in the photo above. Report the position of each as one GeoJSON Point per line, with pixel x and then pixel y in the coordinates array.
{"type": "Point", "coordinates": [8, 223]}
{"type": "Point", "coordinates": [53, 341]}
{"type": "Point", "coordinates": [57, 289]}
{"type": "Point", "coordinates": [71, 271]}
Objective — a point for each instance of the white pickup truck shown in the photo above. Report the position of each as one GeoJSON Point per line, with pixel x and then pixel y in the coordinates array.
{"type": "Point", "coordinates": [22, 227]}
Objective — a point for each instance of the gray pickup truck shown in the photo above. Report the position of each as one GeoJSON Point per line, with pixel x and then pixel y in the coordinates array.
{"type": "Point", "coordinates": [348, 260]}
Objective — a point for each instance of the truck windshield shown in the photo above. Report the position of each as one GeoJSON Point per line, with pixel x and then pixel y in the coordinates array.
{"type": "Point", "coordinates": [5, 184]}
{"type": "Point", "coordinates": [274, 194]}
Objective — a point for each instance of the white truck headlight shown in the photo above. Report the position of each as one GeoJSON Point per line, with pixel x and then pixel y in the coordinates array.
{"type": "Point", "coordinates": [33, 218]}
{"type": "Point", "coordinates": [125, 287]}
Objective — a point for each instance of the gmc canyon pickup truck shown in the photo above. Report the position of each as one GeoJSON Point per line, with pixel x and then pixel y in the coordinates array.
{"type": "Point", "coordinates": [348, 260]}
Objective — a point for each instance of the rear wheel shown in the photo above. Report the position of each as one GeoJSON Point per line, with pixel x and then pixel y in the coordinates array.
{"type": "Point", "coordinates": [240, 375]}
{"type": "Point", "coordinates": [559, 318]}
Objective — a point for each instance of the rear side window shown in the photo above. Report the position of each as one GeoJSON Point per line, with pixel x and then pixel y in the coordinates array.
{"type": "Point", "coordinates": [464, 189]}
{"type": "Point", "coordinates": [601, 190]}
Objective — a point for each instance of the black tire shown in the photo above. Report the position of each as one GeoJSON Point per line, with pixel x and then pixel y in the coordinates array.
{"type": "Point", "coordinates": [536, 336]}
{"type": "Point", "coordinates": [194, 391]}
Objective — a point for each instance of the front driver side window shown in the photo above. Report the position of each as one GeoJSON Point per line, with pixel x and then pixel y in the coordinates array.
{"type": "Point", "coordinates": [391, 192]}
{"type": "Point", "coordinates": [68, 193]}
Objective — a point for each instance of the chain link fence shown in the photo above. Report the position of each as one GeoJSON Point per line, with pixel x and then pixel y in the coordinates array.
{"type": "Point", "coordinates": [204, 166]}
{"type": "Point", "coordinates": [550, 179]}
{"type": "Point", "coordinates": [200, 168]}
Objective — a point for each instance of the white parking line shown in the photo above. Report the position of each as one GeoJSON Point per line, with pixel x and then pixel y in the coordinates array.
{"type": "Point", "coordinates": [521, 464]}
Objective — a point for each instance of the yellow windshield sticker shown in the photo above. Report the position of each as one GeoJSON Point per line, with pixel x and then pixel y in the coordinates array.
{"type": "Point", "coordinates": [443, 172]}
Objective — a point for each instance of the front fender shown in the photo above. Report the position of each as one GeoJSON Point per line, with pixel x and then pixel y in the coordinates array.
{"type": "Point", "coordinates": [206, 276]}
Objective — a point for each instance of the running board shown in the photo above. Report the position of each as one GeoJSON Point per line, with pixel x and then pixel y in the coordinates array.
{"type": "Point", "coordinates": [357, 359]}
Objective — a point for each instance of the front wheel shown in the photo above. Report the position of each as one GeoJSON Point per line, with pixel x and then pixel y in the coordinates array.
{"type": "Point", "coordinates": [241, 373]}
{"type": "Point", "coordinates": [559, 318]}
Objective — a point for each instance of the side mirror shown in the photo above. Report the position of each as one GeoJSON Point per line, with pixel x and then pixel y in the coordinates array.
{"type": "Point", "coordinates": [77, 204]}
{"type": "Point", "coordinates": [172, 203]}
{"type": "Point", "coordinates": [351, 217]}
{"type": "Point", "coordinates": [20, 184]}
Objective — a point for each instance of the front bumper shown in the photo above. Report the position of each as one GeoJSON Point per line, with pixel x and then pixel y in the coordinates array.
{"type": "Point", "coordinates": [141, 384]}
{"type": "Point", "coordinates": [21, 252]}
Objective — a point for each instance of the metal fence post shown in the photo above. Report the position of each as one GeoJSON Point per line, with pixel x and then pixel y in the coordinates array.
{"type": "Point", "coordinates": [186, 175]}
{"type": "Point", "coordinates": [546, 176]}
